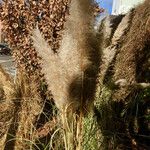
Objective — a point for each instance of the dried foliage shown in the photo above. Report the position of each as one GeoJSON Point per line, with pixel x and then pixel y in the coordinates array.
{"type": "Point", "coordinates": [111, 39]}
{"type": "Point", "coordinates": [125, 62]}
{"type": "Point", "coordinates": [6, 83]}
{"type": "Point", "coordinates": [71, 74]}
{"type": "Point", "coordinates": [21, 17]}
{"type": "Point", "coordinates": [52, 16]}
{"type": "Point", "coordinates": [18, 21]}
{"type": "Point", "coordinates": [6, 104]}
{"type": "Point", "coordinates": [28, 107]}
{"type": "Point", "coordinates": [19, 109]}
{"type": "Point", "coordinates": [134, 51]}
{"type": "Point", "coordinates": [61, 31]}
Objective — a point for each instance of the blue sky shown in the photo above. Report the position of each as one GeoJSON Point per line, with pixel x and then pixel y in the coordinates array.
{"type": "Point", "coordinates": [106, 4]}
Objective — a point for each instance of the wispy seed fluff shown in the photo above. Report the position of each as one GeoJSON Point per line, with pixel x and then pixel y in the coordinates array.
{"type": "Point", "coordinates": [71, 73]}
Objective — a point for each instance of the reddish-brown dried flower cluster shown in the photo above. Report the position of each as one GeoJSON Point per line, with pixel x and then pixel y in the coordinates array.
{"type": "Point", "coordinates": [51, 20]}
{"type": "Point", "coordinates": [18, 22]}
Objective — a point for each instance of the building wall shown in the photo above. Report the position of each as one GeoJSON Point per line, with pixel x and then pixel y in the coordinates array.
{"type": "Point", "coordinates": [123, 6]}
